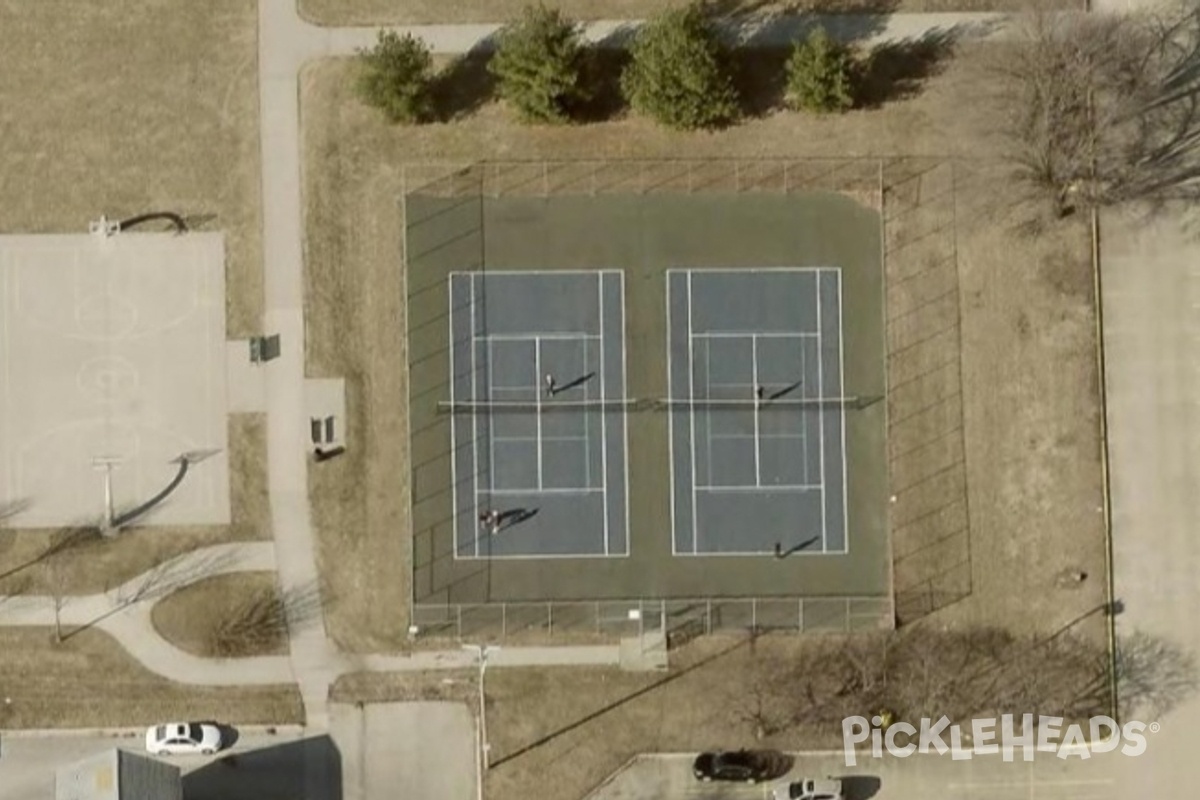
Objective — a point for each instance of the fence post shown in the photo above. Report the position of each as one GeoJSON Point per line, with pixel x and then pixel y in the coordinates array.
{"type": "Point", "coordinates": [881, 214]}
{"type": "Point", "coordinates": [753, 613]}
{"type": "Point", "coordinates": [550, 619]}
{"type": "Point", "coordinates": [737, 177]}
{"type": "Point", "coordinates": [458, 622]}
{"type": "Point", "coordinates": [545, 179]}
{"type": "Point", "coordinates": [800, 614]}
{"type": "Point", "coordinates": [691, 176]}
{"type": "Point", "coordinates": [504, 620]}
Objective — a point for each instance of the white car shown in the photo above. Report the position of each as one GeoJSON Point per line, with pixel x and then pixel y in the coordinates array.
{"type": "Point", "coordinates": [810, 789]}
{"type": "Point", "coordinates": [183, 739]}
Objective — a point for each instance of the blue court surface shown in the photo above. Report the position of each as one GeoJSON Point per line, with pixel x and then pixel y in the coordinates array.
{"type": "Point", "coordinates": [758, 411]}
{"type": "Point", "coordinates": [539, 459]}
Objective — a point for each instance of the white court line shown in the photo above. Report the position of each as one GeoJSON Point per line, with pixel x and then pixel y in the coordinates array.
{"type": "Point", "coordinates": [732, 334]}
{"type": "Point", "coordinates": [453, 424]}
{"type": "Point", "coordinates": [692, 410]}
{"type": "Point", "coordinates": [821, 409]}
{"type": "Point", "coordinates": [528, 336]}
{"type": "Point", "coordinates": [536, 439]}
{"type": "Point", "coordinates": [537, 370]}
{"type": "Point", "coordinates": [774, 487]}
{"type": "Point", "coordinates": [625, 419]}
{"type": "Point", "coordinates": [545, 490]}
{"type": "Point", "coordinates": [604, 417]}
{"type": "Point", "coordinates": [842, 411]}
{"type": "Point", "coordinates": [757, 404]}
{"type": "Point", "coordinates": [475, 463]}
{"type": "Point", "coordinates": [670, 420]}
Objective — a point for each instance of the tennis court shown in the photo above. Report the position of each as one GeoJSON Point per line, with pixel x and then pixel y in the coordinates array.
{"type": "Point", "coordinates": [758, 430]}
{"type": "Point", "coordinates": [539, 460]}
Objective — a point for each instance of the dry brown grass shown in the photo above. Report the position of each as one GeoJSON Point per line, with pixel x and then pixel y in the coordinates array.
{"type": "Point", "coordinates": [117, 110]}
{"type": "Point", "coordinates": [557, 732]}
{"type": "Point", "coordinates": [413, 12]}
{"type": "Point", "coordinates": [1029, 396]}
{"type": "Point", "coordinates": [96, 564]}
{"type": "Point", "coordinates": [228, 616]}
{"type": "Point", "coordinates": [89, 681]}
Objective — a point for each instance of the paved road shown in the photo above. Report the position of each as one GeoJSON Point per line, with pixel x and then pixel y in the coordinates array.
{"type": "Point", "coordinates": [1151, 271]}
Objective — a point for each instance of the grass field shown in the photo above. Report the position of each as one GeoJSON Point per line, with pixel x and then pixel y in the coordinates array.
{"type": "Point", "coordinates": [118, 111]}
{"type": "Point", "coordinates": [89, 681]}
{"type": "Point", "coordinates": [31, 564]}
{"type": "Point", "coordinates": [1029, 388]}
{"type": "Point", "coordinates": [412, 12]}
{"type": "Point", "coordinates": [191, 618]}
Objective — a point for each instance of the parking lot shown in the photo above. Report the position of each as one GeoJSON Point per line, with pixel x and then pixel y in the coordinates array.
{"type": "Point", "coordinates": [921, 776]}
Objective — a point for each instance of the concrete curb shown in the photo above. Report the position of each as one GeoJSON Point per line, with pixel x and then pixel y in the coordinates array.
{"type": "Point", "coordinates": [125, 733]}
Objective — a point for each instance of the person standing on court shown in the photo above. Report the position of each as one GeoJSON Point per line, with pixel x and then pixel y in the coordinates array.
{"type": "Point", "coordinates": [551, 386]}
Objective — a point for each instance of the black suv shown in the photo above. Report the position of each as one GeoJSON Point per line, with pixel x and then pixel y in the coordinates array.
{"type": "Point", "coordinates": [745, 766]}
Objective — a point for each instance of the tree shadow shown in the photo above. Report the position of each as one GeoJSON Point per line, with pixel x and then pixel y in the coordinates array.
{"type": "Point", "coordinates": [69, 539]}
{"type": "Point", "coordinates": [1153, 675]}
{"type": "Point", "coordinates": [896, 70]}
{"type": "Point", "coordinates": [464, 85]}
{"type": "Point", "coordinates": [758, 76]}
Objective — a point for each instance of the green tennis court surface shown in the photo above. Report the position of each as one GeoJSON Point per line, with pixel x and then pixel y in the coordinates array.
{"type": "Point", "coordinates": [714, 426]}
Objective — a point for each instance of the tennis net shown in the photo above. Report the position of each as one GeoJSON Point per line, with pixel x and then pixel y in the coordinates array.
{"type": "Point", "coordinates": [635, 404]}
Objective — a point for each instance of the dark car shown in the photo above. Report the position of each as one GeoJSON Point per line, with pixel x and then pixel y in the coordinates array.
{"type": "Point", "coordinates": [745, 766]}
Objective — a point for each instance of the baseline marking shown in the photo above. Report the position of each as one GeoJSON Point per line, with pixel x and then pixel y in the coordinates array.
{"type": "Point", "coordinates": [603, 418]}
{"type": "Point", "coordinates": [453, 422]}
{"type": "Point", "coordinates": [842, 412]}
{"type": "Point", "coordinates": [475, 462]}
{"type": "Point", "coordinates": [692, 411]}
{"type": "Point", "coordinates": [820, 410]}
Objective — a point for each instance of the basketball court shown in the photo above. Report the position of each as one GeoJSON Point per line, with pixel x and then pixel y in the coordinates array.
{"type": "Point", "coordinates": [112, 360]}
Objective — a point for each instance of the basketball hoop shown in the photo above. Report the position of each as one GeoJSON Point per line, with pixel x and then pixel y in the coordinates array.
{"type": "Point", "coordinates": [106, 463]}
{"type": "Point", "coordinates": [104, 227]}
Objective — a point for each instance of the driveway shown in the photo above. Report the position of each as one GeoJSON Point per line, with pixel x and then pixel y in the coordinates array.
{"type": "Point", "coordinates": [419, 750]}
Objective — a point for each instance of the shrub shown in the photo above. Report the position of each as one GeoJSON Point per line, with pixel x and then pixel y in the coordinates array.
{"type": "Point", "coordinates": [396, 77]}
{"type": "Point", "coordinates": [820, 74]}
{"type": "Point", "coordinates": [538, 65]}
{"type": "Point", "coordinates": [678, 73]}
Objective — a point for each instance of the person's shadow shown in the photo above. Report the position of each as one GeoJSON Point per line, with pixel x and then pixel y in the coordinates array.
{"type": "Point", "coordinates": [516, 516]}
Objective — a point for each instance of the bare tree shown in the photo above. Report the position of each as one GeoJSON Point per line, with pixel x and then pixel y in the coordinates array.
{"type": "Point", "coordinates": [263, 621]}
{"type": "Point", "coordinates": [1095, 110]}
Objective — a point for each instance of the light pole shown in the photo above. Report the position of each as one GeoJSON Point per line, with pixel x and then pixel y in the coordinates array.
{"type": "Point", "coordinates": [481, 656]}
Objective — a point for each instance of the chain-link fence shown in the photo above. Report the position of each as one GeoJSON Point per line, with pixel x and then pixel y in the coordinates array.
{"type": "Point", "coordinates": [861, 177]}
{"type": "Point", "coordinates": [682, 619]}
